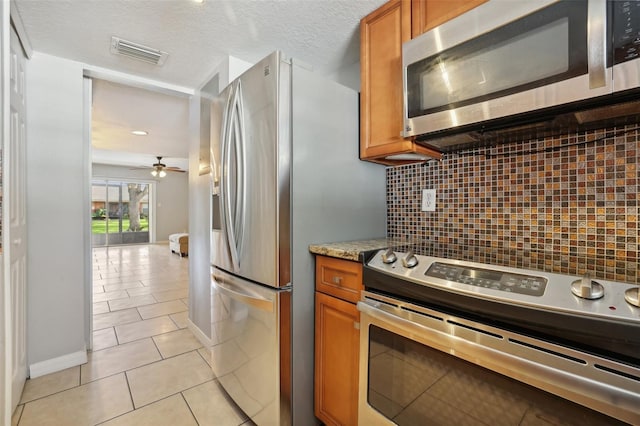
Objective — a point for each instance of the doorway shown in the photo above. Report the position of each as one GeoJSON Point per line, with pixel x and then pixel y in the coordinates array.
{"type": "Point", "coordinates": [120, 212]}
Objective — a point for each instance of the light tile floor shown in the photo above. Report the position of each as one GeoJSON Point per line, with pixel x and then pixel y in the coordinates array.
{"type": "Point", "coordinates": [146, 367]}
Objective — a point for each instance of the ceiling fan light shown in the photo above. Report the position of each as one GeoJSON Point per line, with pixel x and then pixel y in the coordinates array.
{"type": "Point", "coordinates": [154, 173]}
{"type": "Point", "coordinates": [162, 173]}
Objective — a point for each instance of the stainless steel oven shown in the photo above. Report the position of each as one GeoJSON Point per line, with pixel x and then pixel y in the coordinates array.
{"type": "Point", "coordinates": [510, 60]}
{"type": "Point", "coordinates": [454, 342]}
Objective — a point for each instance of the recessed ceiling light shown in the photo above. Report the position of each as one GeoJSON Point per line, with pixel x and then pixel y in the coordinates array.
{"type": "Point", "coordinates": [139, 132]}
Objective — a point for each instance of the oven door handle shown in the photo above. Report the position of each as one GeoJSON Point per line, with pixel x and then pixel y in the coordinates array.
{"type": "Point", "coordinates": [387, 314]}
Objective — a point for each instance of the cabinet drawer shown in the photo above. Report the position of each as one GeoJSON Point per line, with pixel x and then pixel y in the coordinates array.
{"type": "Point", "coordinates": [339, 278]}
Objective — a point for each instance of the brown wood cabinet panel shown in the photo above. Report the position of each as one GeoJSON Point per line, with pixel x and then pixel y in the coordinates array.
{"type": "Point", "coordinates": [381, 36]}
{"type": "Point", "coordinates": [382, 33]}
{"type": "Point", "coordinates": [336, 361]}
{"type": "Point", "coordinates": [339, 277]}
{"type": "Point", "coordinates": [427, 14]}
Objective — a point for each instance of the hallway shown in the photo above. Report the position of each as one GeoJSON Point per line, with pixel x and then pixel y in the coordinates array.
{"type": "Point", "coordinates": [146, 367]}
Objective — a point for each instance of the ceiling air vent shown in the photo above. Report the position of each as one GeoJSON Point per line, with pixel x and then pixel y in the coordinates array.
{"type": "Point", "coordinates": [137, 51]}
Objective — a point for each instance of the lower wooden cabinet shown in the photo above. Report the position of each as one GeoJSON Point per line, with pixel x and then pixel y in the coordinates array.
{"type": "Point", "coordinates": [336, 360]}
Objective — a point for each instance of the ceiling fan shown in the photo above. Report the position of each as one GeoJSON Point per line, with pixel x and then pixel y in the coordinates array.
{"type": "Point", "coordinates": [160, 169]}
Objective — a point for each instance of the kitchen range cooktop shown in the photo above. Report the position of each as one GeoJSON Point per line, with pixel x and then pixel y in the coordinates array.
{"type": "Point", "coordinates": [581, 295]}
{"type": "Point", "coordinates": [589, 311]}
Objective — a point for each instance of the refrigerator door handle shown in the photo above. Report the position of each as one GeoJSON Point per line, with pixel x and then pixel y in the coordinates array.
{"type": "Point", "coordinates": [241, 190]}
{"type": "Point", "coordinates": [227, 286]}
{"type": "Point", "coordinates": [224, 169]}
{"type": "Point", "coordinates": [230, 217]}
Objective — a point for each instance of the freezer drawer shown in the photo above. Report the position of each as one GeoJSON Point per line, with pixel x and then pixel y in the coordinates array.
{"type": "Point", "coordinates": [247, 346]}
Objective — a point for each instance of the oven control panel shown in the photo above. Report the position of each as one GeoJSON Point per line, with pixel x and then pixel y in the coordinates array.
{"type": "Point", "coordinates": [543, 290]}
{"type": "Point", "coordinates": [497, 280]}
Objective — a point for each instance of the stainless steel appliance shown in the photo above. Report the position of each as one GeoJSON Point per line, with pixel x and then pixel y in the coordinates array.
{"type": "Point", "coordinates": [456, 342]}
{"type": "Point", "coordinates": [286, 174]}
{"type": "Point", "coordinates": [510, 63]}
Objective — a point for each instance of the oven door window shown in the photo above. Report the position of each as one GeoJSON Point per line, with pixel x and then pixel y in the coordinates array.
{"type": "Point", "coordinates": [547, 46]}
{"type": "Point", "coordinates": [412, 384]}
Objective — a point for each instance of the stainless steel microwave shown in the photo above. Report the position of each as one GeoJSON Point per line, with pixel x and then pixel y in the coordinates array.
{"type": "Point", "coordinates": [507, 59]}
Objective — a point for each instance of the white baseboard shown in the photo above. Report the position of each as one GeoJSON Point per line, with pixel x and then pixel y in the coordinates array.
{"type": "Point", "coordinates": [57, 364]}
{"type": "Point", "coordinates": [203, 338]}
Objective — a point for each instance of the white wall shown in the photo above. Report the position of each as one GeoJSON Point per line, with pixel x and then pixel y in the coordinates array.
{"type": "Point", "coordinates": [199, 232]}
{"type": "Point", "coordinates": [348, 76]}
{"type": "Point", "coordinates": [56, 180]}
{"type": "Point", "coordinates": [171, 196]}
{"type": "Point", "coordinates": [228, 70]}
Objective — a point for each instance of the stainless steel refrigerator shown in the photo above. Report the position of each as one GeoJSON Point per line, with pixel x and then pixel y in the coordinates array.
{"type": "Point", "coordinates": [285, 174]}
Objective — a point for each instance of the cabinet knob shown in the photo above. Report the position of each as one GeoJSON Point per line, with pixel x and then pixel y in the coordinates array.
{"type": "Point", "coordinates": [337, 279]}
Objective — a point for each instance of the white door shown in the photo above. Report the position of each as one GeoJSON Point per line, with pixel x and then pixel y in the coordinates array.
{"type": "Point", "coordinates": [15, 221]}
{"type": "Point", "coordinates": [5, 386]}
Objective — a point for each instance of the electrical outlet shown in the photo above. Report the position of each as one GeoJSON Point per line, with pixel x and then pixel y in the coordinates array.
{"type": "Point", "coordinates": [428, 200]}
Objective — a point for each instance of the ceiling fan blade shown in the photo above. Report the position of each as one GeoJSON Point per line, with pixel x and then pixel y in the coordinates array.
{"type": "Point", "coordinates": [174, 169]}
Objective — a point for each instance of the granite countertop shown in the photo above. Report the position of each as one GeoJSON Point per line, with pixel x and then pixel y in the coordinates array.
{"type": "Point", "coordinates": [348, 250]}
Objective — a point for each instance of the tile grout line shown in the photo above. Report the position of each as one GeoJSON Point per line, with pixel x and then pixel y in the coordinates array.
{"type": "Point", "coordinates": [189, 406]}
{"type": "Point", "coordinates": [60, 391]}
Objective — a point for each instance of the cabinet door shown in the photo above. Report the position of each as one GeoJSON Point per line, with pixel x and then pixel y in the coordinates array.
{"type": "Point", "coordinates": [336, 361]}
{"type": "Point", "coordinates": [382, 33]}
{"type": "Point", "coordinates": [426, 14]}
{"type": "Point", "coordinates": [381, 36]}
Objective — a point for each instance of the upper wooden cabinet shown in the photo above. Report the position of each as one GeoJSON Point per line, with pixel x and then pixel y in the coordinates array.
{"type": "Point", "coordinates": [382, 33]}
{"type": "Point", "coordinates": [427, 14]}
{"type": "Point", "coordinates": [381, 36]}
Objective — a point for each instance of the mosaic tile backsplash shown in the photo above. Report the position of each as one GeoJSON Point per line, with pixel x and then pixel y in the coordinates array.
{"type": "Point", "coordinates": [566, 204]}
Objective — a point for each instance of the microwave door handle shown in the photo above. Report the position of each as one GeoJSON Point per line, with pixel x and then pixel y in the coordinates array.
{"type": "Point", "coordinates": [596, 42]}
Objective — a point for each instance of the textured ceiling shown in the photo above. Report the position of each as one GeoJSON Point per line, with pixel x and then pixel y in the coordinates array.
{"type": "Point", "coordinates": [198, 37]}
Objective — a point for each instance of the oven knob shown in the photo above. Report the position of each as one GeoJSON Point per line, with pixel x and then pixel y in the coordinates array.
{"type": "Point", "coordinates": [389, 256]}
{"type": "Point", "coordinates": [586, 288]}
{"type": "Point", "coordinates": [410, 260]}
{"type": "Point", "coordinates": [632, 296]}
